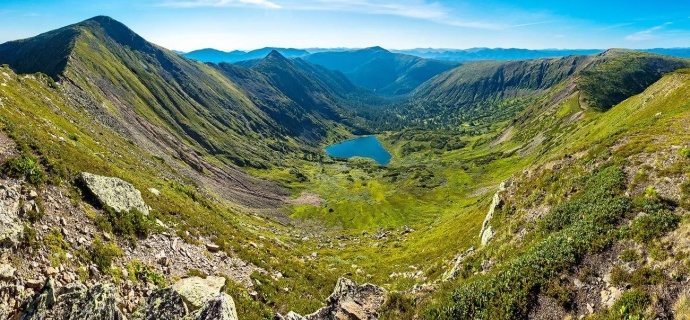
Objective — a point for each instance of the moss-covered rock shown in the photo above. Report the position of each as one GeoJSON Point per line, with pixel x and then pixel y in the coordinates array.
{"type": "Point", "coordinates": [114, 192]}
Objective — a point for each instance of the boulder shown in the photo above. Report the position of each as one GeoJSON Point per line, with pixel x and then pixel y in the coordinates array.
{"type": "Point", "coordinates": [212, 247]}
{"type": "Point", "coordinates": [164, 304]}
{"type": "Point", "coordinates": [175, 302]}
{"type": "Point", "coordinates": [114, 192]}
{"type": "Point", "coordinates": [7, 272]}
{"type": "Point", "coordinates": [487, 235]}
{"type": "Point", "coordinates": [11, 227]}
{"type": "Point", "coordinates": [197, 292]}
{"type": "Point", "coordinates": [222, 307]}
{"type": "Point", "coordinates": [74, 301]}
{"type": "Point", "coordinates": [348, 301]}
{"type": "Point", "coordinates": [486, 232]}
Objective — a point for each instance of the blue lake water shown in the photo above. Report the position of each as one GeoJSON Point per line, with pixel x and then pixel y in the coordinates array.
{"type": "Point", "coordinates": [366, 147]}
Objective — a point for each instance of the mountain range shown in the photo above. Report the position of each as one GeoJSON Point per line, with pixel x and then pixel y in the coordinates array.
{"type": "Point", "coordinates": [540, 187]}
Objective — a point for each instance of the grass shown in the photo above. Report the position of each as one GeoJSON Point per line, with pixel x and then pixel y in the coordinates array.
{"type": "Point", "coordinates": [439, 183]}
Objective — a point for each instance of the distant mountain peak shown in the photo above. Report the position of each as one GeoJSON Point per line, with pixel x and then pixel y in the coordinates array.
{"type": "Point", "coordinates": [376, 49]}
{"type": "Point", "coordinates": [274, 54]}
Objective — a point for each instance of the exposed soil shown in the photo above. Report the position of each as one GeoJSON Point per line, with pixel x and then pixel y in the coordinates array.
{"type": "Point", "coordinates": [306, 198]}
{"type": "Point", "coordinates": [7, 148]}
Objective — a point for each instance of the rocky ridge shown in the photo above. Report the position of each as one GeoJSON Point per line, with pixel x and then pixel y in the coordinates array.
{"type": "Point", "coordinates": [348, 301]}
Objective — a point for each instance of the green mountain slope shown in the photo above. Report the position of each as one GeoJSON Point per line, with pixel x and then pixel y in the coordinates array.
{"type": "Point", "coordinates": [568, 177]}
{"type": "Point", "coordinates": [378, 69]}
{"type": "Point", "coordinates": [192, 101]}
{"type": "Point", "coordinates": [477, 95]}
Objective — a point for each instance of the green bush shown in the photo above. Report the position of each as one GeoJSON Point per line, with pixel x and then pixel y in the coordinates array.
{"type": "Point", "coordinates": [593, 216]}
{"type": "Point", "coordinates": [246, 305]}
{"type": "Point", "coordinates": [103, 254]}
{"type": "Point", "coordinates": [631, 305]}
{"type": "Point", "coordinates": [628, 255]}
{"type": "Point", "coordinates": [141, 272]}
{"type": "Point", "coordinates": [129, 224]}
{"type": "Point", "coordinates": [651, 226]}
{"type": "Point", "coordinates": [644, 276]}
{"type": "Point", "coordinates": [684, 152]}
{"type": "Point", "coordinates": [398, 306]}
{"type": "Point", "coordinates": [651, 192]}
{"type": "Point", "coordinates": [29, 238]}
{"type": "Point", "coordinates": [56, 245]}
{"type": "Point", "coordinates": [599, 195]}
{"type": "Point", "coordinates": [24, 167]}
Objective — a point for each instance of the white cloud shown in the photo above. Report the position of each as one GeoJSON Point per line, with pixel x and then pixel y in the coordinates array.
{"type": "Point", "coordinates": [615, 26]}
{"type": "Point", "coordinates": [219, 3]}
{"type": "Point", "coordinates": [648, 34]}
{"type": "Point", "coordinates": [428, 10]}
{"type": "Point", "coordinates": [419, 9]}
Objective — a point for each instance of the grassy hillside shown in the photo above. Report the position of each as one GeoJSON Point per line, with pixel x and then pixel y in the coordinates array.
{"type": "Point", "coordinates": [592, 149]}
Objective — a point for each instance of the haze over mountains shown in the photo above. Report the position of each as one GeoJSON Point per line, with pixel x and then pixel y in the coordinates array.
{"type": "Point", "coordinates": [529, 188]}
{"type": "Point", "coordinates": [472, 54]}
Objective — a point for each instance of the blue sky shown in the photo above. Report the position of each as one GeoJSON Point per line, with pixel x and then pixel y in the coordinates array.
{"type": "Point", "coordinates": [396, 24]}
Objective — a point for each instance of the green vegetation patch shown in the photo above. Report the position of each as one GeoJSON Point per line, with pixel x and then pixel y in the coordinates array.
{"type": "Point", "coordinates": [507, 291]}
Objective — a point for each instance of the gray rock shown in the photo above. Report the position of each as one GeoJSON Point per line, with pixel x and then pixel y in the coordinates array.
{"type": "Point", "coordinates": [11, 227]}
{"type": "Point", "coordinates": [487, 235]}
{"type": "Point", "coordinates": [212, 247]}
{"type": "Point", "coordinates": [348, 301]}
{"type": "Point", "coordinates": [7, 272]}
{"type": "Point", "coordinates": [197, 292]}
{"type": "Point", "coordinates": [220, 308]}
{"type": "Point", "coordinates": [75, 301]}
{"type": "Point", "coordinates": [155, 192]}
{"type": "Point", "coordinates": [34, 284]}
{"type": "Point", "coordinates": [114, 192]}
{"type": "Point", "coordinates": [169, 304]}
{"type": "Point", "coordinates": [40, 307]}
{"type": "Point", "coordinates": [164, 304]}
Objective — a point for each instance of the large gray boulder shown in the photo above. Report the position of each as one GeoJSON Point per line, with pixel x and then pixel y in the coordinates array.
{"type": "Point", "coordinates": [11, 226]}
{"type": "Point", "coordinates": [75, 301]}
{"type": "Point", "coordinates": [197, 292]}
{"type": "Point", "coordinates": [164, 304]}
{"type": "Point", "coordinates": [192, 298]}
{"type": "Point", "coordinates": [486, 232]}
{"type": "Point", "coordinates": [114, 192]}
{"type": "Point", "coordinates": [221, 307]}
{"type": "Point", "coordinates": [349, 301]}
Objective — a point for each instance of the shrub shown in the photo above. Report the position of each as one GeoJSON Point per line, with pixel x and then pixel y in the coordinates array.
{"type": "Point", "coordinates": [644, 276]}
{"type": "Point", "coordinates": [684, 152]}
{"type": "Point", "coordinates": [24, 167]}
{"type": "Point", "coordinates": [141, 272]}
{"type": "Point", "coordinates": [631, 305]}
{"type": "Point", "coordinates": [129, 224]}
{"type": "Point", "coordinates": [619, 276]}
{"type": "Point", "coordinates": [398, 306]}
{"type": "Point", "coordinates": [685, 188]}
{"type": "Point", "coordinates": [651, 193]}
{"type": "Point", "coordinates": [29, 238]}
{"type": "Point", "coordinates": [103, 254]}
{"type": "Point", "coordinates": [650, 226]}
{"type": "Point", "coordinates": [628, 255]}
{"type": "Point", "coordinates": [56, 245]}
{"type": "Point", "coordinates": [592, 214]}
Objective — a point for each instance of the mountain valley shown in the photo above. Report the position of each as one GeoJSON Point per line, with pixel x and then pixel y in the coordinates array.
{"type": "Point", "coordinates": [138, 183]}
